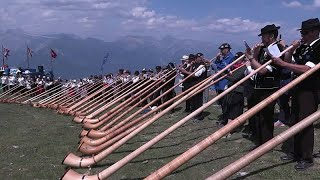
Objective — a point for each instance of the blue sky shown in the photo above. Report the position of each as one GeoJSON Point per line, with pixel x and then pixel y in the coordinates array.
{"type": "Point", "coordinates": [209, 20]}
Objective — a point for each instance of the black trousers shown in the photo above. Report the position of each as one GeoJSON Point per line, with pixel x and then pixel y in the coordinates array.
{"type": "Point", "coordinates": [196, 102]}
{"type": "Point", "coordinates": [304, 103]}
{"type": "Point", "coordinates": [186, 86]}
{"type": "Point", "coordinates": [264, 118]}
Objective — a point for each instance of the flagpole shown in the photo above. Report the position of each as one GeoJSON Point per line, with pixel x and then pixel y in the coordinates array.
{"type": "Point", "coordinates": [27, 55]}
{"type": "Point", "coordinates": [52, 64]}
{"type": "Point", "coordinates": [2, 56]}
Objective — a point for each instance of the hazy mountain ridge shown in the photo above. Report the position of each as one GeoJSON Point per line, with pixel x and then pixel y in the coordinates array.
{"type": "Point", "coordinates": [80, 57]}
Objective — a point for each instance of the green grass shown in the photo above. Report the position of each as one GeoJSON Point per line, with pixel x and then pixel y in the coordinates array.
{"type": "Point", "coordinates": [34, 142]}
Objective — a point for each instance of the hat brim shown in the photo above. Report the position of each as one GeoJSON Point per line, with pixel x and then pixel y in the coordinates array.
{"type": "Point", "coordinates": [226, 48]}
{"type": "Point", "coordinates": [277, 27]}
{"type": "Point", "coordinates": [317, 26]}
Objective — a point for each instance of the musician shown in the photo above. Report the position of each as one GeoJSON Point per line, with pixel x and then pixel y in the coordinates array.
{"type": "Point", "coordinates": [199, 68]}
{"type": "Point", "coordinates": [4, 82]}
{"type": "Point", "coordinates": [266, 82]}
{"type": "Point", "coordinates": [207, 64]}
{"type": "Point", "coordinates": [172, 93]}
{"type": "Point", "coordinates": [235, 99]}
{"type": "Point", "coordinates": [305, 97]}
{"type": "Point", "coordinates": [158, 75]}
{"type": "Point", "coordinates": [224, 57]}
{"type": "Point", "coordinates": [186, 65]}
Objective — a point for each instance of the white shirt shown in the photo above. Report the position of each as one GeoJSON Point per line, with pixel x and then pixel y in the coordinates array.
{"type": "Point", "coordinates": [4, 80]}
{"type": "Point", "coordinates": [201, 69]}
{"type": "Point", "coordinates": [12, 80]}
{"type": "Point", "coordinates": [21, 81]}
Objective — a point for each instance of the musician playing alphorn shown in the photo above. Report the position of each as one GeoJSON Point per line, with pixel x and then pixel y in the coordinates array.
{"type": "Point", "coordinates": [306, 54]}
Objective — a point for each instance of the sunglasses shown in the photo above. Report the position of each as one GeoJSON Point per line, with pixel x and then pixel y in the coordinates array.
{"type": "Point", "coordinates": [304, 32]}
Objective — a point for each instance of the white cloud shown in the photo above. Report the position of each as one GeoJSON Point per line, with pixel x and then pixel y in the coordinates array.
{"type": "Point", "coordinates": [292, 4]}
{"type": "Point", "coordinates": [298, 4]}
{"type": "Point", "coordinates": [234, 25]}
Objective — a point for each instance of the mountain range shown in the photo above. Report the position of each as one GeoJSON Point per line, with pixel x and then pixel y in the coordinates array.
{"type": "Point", "coordinates": [80, 57]}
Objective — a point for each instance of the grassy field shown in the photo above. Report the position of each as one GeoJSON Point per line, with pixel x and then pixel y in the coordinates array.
{"type": "Point", "coordinates": [34, 142]}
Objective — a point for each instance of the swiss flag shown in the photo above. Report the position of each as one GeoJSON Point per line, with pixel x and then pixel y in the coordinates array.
{"type": "Point", "coordinates": [53, 54]}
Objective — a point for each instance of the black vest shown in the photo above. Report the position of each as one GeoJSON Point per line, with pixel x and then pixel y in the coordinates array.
{"type": "Point", "coordinates": [270, 80]}
{"type": "Point", "coordinates": [304, 54]}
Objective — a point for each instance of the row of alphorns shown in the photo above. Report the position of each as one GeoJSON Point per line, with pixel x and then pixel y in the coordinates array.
{"type": "Point", "coordinates": [107, 125]}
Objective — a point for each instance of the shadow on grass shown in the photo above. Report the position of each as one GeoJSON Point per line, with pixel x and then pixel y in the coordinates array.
{"type": "Point", "coordinates": [174, 137]}
{"type": "Point", "coordinates": [160, 147]}
{"type": "Point", "coordinates": [261, 170]}
{"type": "Point", "coordinates": [202, 162]}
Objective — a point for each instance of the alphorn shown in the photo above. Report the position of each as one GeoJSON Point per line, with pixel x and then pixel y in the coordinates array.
{"type": "Point", "coordinates": [89, 102]}
{"type": "Point", "coordinates": [119, 95]}
{"type": "Point", "coordinates": [85, 142]}
{"type": "Point", "coordinates": [107, 134]}
{"type": "Point", "coordinates": [67, 110]}
{"type": "Point", "coordinates": [16, 93]}
{"type": "Point", "coordinates": [131, 108]}
{"type": "Point", "coordinates": [97, 134]}
{"type": "Point", "coordinates": [120, 107]}
{"type": "Point", "coordinates": [106, 173]}
{"type": "Point", "coordinates": [20, 96]}
{"type": "Point", "coordinates": [76, 97]}
{"type": "Point", "coordinates": [105, 107]}
{"type": "Point", "coordinates": [75, 161]}
{"type": "Point", "coordinates": [55, 95]}
{"type": "Point", "coordinates": [2, 87]}
{"type": "Point", "coordinates": [264, 148]}
{"type": "Point", "coordinates": [52, 90]}
{"type": "Point", "coordinates": [168, 168]}
{"type": "Point", "coordinates": [8, 91]}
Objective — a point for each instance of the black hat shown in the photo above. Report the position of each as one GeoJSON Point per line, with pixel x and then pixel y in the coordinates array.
{"type": "Point", "coordinates": [192, 56]}
{"type": "Point", "coordinates": [225, 45]}
{"type": "Point", "coordinates": [158, 67]}
{"type": "Point", "coordinates": [268, 29]}
{"type": "Point", "coordinates": [310, 24]}
{"type": "Point", "coordinates": [136, 73]}
{"type": "Point", "coordinates": [237, 55]}
{"type": "Point", "coordinates": [199, 54]}
{"type": "Point", "coordinates": [150, 70]}
{"type": "Point", "coordinates": [171, 65]}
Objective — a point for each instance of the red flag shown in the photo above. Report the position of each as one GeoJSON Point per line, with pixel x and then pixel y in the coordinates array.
{"type": "Point", "coordinates": [53, 54]}
{"type": "Point", "coordinates": [29, 51]}
{"type": "Point", "coordinates": [6, 52]}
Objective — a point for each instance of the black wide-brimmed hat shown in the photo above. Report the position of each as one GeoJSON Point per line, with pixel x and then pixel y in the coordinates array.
{"type": "Point", "coordinates": [268, 29]}
{"type": "Point", "coordinates": [225, 45]}
{"type": "Point", "coordinates": [310, 24]}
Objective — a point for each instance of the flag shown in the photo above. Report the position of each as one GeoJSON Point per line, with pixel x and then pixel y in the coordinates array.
{"type": "Point", "coordinates": [105, 59]}
{"type": "Point", "coordinates": [29, 51]}
{"type": "Point", "coordinates": [6, 52]}
{"type": "Point", "coordinates": [53, 54]}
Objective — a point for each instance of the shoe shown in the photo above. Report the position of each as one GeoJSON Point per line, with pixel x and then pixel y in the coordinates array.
{"type": "Point", "coordinates": [227, 136]}
{"type": "Point", "coordinates": [303, 165]}
{"type": "Point", "coordinates": [278, 123]}
{"type": "Point", "coordinates": [288, 157]}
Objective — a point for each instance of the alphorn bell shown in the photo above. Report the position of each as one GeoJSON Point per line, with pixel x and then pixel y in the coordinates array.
{"type": "Point", "coordinates": [75, 161]}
